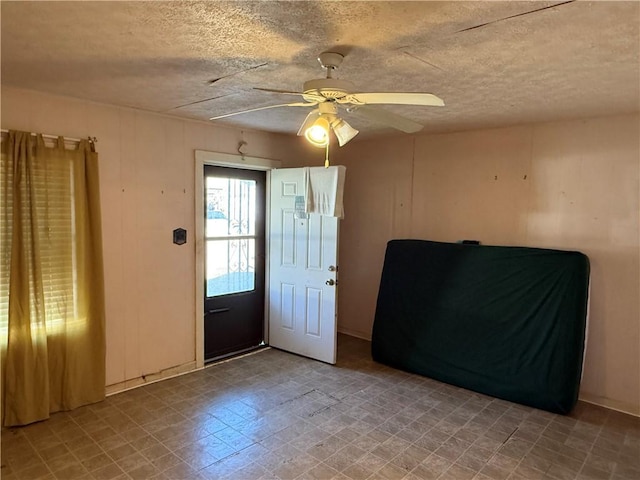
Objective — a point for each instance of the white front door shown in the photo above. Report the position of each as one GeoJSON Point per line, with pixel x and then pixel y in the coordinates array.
{"type": "Point", "coordinates": [302, 272]}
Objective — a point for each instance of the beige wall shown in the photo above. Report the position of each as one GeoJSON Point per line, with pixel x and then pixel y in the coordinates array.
{"type": "Point", "coordinates": [147, 169]}
{"type": "Point", "coordinates": [580, 192]}
{"type": "Point", "coordinates": [568, 185]}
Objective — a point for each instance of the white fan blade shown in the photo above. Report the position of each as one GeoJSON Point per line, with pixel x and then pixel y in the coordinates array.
{"type": "Point", "coordinates": [426, 99]}
{"type": "Point", "coordinates": [273, 90]}
{"type": "Point", "coordinates": [310, 96]}
{"type": "Point", "coordinates": [299, 104]}
{"type": "Point", "coordinates": [391, 119]}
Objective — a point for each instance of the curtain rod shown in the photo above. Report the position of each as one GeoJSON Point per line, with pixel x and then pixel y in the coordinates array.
{"type": "Point", "coordinates": [54, 137]}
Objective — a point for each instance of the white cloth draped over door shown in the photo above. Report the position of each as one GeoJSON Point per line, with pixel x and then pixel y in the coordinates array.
{"type": "Point", "coordinates": [324, 190]}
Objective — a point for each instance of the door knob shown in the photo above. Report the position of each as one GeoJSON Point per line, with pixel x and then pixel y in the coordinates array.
{"type": "Point", "coordinates": [331, 282]}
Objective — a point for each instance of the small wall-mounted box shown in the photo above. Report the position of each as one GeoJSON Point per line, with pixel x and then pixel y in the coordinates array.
{"type": "Point", "coordinates": [179, 236]}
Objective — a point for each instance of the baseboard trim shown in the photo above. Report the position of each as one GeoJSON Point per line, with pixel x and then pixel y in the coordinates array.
{"type": "Point", "coordinates": [355, 333]}
{"type": "Point", "coordinates": [171, 372]}
{"type": "Point", "coordinates": [633, 410]}
{"type": "Point", "coordinates": [237, 356]}
{"type": "Point", "coordinates": [151, 378]}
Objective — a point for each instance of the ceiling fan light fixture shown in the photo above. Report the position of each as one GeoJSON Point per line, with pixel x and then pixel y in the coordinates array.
{"type": "Point", "coordinates": [308, 121]}
{"type": "Point", "coordinates": [343, 131]}
{"type": "Point", "coordinates": [318, 133]}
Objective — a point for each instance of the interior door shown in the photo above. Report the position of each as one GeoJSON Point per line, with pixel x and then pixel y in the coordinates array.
{"type": "Point", "coordinates": [302, 272]}
{"type": "Point", "coordinates": [235, 260]}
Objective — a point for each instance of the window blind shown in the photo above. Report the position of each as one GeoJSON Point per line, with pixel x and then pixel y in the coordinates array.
{"type": "Point", "coordinates": [51, 211]}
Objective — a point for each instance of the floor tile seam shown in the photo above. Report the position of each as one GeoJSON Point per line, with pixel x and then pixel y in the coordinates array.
{"type": "Point", "coordinates": [136, 424]}
{"type": "Point", "coordinates": [497, 451]}
{"type": "Point", "coordinates": [582, 462]}
{"type": "Point", "coordinates": [17, 473]}
{"type": "Point", "coordinates": [77, 425]}
{"type": "Point", "coordinates": [5, 452]}
{"type": "Point", "coordinates": [455, 464]}
{"type": "Point", "coordinates": [236, 453]}
{"type": "Point", "coordinates": [436, 455]}
{"type": "Point", "coordinates": [556, 463]}
{"type": "Point", "coordinates": [525, 456]}
{"type": "Point", "coordinates": [38, 454]}
{"type": "Point", "coordinates": [153, 435]}
{"type": "Point", "coordinates": [78, 461]}
{"type": "Point", "coordinates": [102, 451]}
{"type": "Point", "coordinates": [588, 451]}
{"type": "Point", "coordinates": [609, 474]}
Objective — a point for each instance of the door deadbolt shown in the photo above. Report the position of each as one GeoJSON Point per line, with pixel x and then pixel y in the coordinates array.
{"type": "Point", "coordinates": [332, 268]}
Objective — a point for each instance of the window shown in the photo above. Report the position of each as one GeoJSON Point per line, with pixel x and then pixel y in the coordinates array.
{"type": "Point", "coordinates": [51, 211]}
{"type": "Point", "coordinates": [230, 235]}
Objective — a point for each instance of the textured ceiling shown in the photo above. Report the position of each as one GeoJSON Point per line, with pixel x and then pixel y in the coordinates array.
{"type": "Point", "coordinates": [494, 63]}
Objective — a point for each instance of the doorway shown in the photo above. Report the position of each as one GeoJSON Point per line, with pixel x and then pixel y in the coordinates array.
{"type": "Point", "coordinates": [234, 241]}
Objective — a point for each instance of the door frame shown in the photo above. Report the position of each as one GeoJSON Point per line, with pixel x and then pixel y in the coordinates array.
{"type": "Point", "coordinates": [202, 158]}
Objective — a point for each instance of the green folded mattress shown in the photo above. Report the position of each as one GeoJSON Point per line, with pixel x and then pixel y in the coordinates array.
{"type": "Point", "coordinates": [508, 322]}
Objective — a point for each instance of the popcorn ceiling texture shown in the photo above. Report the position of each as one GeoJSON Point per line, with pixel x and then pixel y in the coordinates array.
{"type": "Point", "coordinates": [579, 59]}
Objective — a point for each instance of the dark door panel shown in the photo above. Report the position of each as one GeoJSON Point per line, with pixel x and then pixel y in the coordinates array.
{"type": "Point", "coordinates": [235, 260]}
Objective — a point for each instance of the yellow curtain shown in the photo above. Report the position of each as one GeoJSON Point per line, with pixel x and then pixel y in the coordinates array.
{"type": "Point", "coordinates": [51, 281]}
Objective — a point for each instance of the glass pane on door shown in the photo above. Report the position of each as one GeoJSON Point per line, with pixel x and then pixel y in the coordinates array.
{"type": "Point", "coordinates": [230, 266]}
{"type": "Point", "coordinates": [230, 234]}
{"type": "Point", "coordinates": [230, 207]}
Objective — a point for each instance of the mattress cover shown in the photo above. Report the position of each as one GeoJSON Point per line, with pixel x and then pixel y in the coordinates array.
{"type": "Point", "coordinates": [504, 321]}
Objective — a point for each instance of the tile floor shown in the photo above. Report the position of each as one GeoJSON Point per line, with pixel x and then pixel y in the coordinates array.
{"type": "Point", "coordinates": [273, 415]}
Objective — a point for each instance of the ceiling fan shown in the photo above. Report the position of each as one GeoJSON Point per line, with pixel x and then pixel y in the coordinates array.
{"type": "Point", "coordinates": [327, 94]}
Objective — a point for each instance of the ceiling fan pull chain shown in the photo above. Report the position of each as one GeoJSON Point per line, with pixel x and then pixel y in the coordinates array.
{"type": "Point", "coordinates": [326, 156]}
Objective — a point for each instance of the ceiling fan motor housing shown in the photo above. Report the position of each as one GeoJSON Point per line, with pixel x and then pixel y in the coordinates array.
{"type": "Point", "coordinates": [329, 88]}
